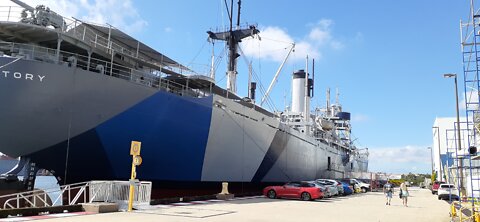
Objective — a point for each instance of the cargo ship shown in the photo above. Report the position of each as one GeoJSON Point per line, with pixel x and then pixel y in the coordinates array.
{"type": "Point", "coordinates": [75, 94]}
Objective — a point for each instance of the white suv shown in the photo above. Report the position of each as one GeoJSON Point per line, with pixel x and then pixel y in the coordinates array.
{"type": "Point", "coordinates": [364, 186]}
{"type": "Point", "coordinates": [445, 191]}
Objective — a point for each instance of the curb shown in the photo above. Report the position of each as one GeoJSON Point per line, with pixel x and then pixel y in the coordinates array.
{"type": "Point", "coordinates": [46, 216]}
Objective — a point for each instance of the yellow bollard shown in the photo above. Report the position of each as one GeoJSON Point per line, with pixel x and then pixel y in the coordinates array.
{"type": "Point", "coordinates": [132, 188]}
{"type": "Point", "coordinates": [476, 216]}
{"type": "Point", "coordinates": [136, 161]}
{"type": "Point", "coordinates": [453, 210]}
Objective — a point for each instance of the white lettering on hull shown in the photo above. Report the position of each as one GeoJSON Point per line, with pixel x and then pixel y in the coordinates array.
{"type": "Point", "coordinates": [25, 76]}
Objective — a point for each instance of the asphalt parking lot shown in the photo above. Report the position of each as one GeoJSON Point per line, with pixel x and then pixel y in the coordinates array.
{"type": "Point", "coordinates": [423, 206]}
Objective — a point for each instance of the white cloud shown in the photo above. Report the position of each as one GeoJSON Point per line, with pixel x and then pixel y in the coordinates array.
{"type": "Point", "coordinates": [274, 41]}
{"type": "Point", "coordinates": [119, 13]}
{"type": "Point", "coordinates": [168, 29]}
{"type": "Point", "coordinates": [400, 159]}
{"type": "Point", "coordinates": [401, 154]}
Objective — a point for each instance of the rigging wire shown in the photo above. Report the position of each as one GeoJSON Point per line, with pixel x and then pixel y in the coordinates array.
{"type": "Point", "coordinates": [217, 62]}
{"type": "Point", "coordinates": [269, 101]}
{"type": "Point", "coordinates": [5, 65]}
{"type": "Point", "coordinates": [198, 53]}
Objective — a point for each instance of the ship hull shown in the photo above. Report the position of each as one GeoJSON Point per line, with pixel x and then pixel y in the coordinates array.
{"type": "Point", "coordinates": [79, 124]}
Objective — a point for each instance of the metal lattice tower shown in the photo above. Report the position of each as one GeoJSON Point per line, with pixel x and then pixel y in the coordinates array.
{"type": "Point", "coordinates": [470, 44]}
{"type": "Point", "coordinates": [471, 61]}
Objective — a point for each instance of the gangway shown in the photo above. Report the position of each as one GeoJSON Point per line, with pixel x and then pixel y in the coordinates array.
{"type": "Point", "coordinates": [78, 193]}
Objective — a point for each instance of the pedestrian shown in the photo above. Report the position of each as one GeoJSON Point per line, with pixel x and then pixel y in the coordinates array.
{"type": "Point", "coordinates": [404, 192]}
{"type": "Point", "coordinates": [388, 191]}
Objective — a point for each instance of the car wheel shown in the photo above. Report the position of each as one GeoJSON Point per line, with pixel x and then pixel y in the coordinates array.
{"type": "Point", "coordinates": [305, 196]}
{"type": "Point", "coordinates": [271, 194]}
{"type": "Point", "coordinates": [439, 198]}
{"type": "Point", "coordinates": [364, 190]}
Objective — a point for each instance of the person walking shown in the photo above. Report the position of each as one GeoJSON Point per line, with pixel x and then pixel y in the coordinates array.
{"type": "Point", "coordinates": [405, 194]}
{"type": "Point", "coordinates": [388, 191]}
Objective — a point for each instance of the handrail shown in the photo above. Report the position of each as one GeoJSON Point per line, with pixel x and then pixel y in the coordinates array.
{"type": "Point", "coordinates": [150, 78]}
{"type": "Point", "coordinates": [80, 30]}
{"type": "Point", "coordinates": [84, 192]}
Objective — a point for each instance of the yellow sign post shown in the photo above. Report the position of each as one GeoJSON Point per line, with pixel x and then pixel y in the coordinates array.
{"type": "Point", "coordinates": [136, 161]}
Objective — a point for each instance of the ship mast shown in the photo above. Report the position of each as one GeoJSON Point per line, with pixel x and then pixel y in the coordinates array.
{"type": "Point", "coordinates": [233, 37]}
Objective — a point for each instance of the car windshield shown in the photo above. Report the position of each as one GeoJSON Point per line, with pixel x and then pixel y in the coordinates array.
{"type": "Point", "coordinates": [307, 184]}
{"type": "Point", "coordinates": [292, 184]}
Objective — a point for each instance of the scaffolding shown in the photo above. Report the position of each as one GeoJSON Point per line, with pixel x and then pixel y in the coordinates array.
{"type": "Point", "coordinates": [464, 170]}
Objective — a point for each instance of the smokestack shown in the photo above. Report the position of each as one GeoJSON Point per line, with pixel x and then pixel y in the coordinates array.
{"type": "Point", "coordinates": [298, 92]}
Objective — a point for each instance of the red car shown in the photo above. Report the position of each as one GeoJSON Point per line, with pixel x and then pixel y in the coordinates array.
{"type": "Point", "coordinates": [435, 186]}
{"type": "Point", "coordinates": [297, 190]}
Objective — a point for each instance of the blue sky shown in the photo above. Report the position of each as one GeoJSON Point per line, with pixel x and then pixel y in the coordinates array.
{"type": "Point", "coordinates": [385, 57]}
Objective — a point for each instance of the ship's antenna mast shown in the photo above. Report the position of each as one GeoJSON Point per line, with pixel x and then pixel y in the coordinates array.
{"type": "Point", "coordinates": [212, 68]}
{"type": "Point", "coordinates": [238, 15]}
{"type": "Point", "coordinates": [233, 37]}
{"type": "Point", "coordinates": [337, 97]}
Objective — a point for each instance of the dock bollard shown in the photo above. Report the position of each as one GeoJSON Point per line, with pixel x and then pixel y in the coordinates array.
{"type": "Point", "coordinates": [453, 210]}
{"type": "Point", "coordinates": [224, 188]}
{"type": "Point", "coordinates": [224, 194]}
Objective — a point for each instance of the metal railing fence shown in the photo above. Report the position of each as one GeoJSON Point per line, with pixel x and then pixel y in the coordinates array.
{"type": "Point", "coordinates": [85, 192]}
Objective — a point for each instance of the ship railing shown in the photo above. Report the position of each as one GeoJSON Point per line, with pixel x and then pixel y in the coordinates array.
{"type": "Point", "coordinates": [148, 77]}
{"type": "Point", "coordinates": [10, 13]}
{"type": "Point", "coordinates": [78, 193]}
{"type": "Point", "coordinates": [77, 29]}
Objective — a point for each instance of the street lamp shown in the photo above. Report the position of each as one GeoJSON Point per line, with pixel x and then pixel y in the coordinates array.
{"type": "Point", "coordinates": [450, 75]}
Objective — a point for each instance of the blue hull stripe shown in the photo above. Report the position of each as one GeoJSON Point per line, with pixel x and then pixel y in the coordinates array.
{"type": "Point", "coordinates": [173, 131]}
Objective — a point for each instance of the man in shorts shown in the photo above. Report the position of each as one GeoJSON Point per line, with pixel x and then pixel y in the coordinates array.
{"type": "Point", "coordinates": [388, 191]}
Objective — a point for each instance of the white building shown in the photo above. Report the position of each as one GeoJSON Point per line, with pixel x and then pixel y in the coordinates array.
{"type": "Point", "coordinates": [444, 138]}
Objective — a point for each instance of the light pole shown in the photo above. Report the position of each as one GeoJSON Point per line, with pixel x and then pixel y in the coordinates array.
{"type": "Point", "coordinates": [450, 75]}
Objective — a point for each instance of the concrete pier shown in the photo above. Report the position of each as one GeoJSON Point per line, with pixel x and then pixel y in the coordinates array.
{"type": "Point", "coordinates": [423, 206]}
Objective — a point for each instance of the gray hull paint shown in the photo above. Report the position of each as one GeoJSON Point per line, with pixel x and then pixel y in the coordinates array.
{"type": "Point", "coordinates": [70, 100]}
{"type": "Point", "coordinates": [241, 138]}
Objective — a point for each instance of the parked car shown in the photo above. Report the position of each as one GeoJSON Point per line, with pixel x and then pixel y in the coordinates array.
{"type": "Point", "coordinates": [325, 190]}
{"type": "Point", "coordinates": [435, 186]}
{"type": "Point", "coordinates": [331, 188]}
{"type": "Point", "coordinates": [297, 190]}
{"type": "Point", "coordinates": [347, 189]}
{"type": "Point", "coordinates": [364, 187]}
{"type": "Point", "coordinates": [447, 191]}
{"type": "Point", "coordinates": [334, 183]}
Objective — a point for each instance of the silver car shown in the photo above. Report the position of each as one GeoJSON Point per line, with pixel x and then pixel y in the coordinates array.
{"type": "Point", "coordinates": [331, 188]}
{"type": "Point", "coordinates": [334, 183]}
{"type": "Point", "coordinates": [325, 190]}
